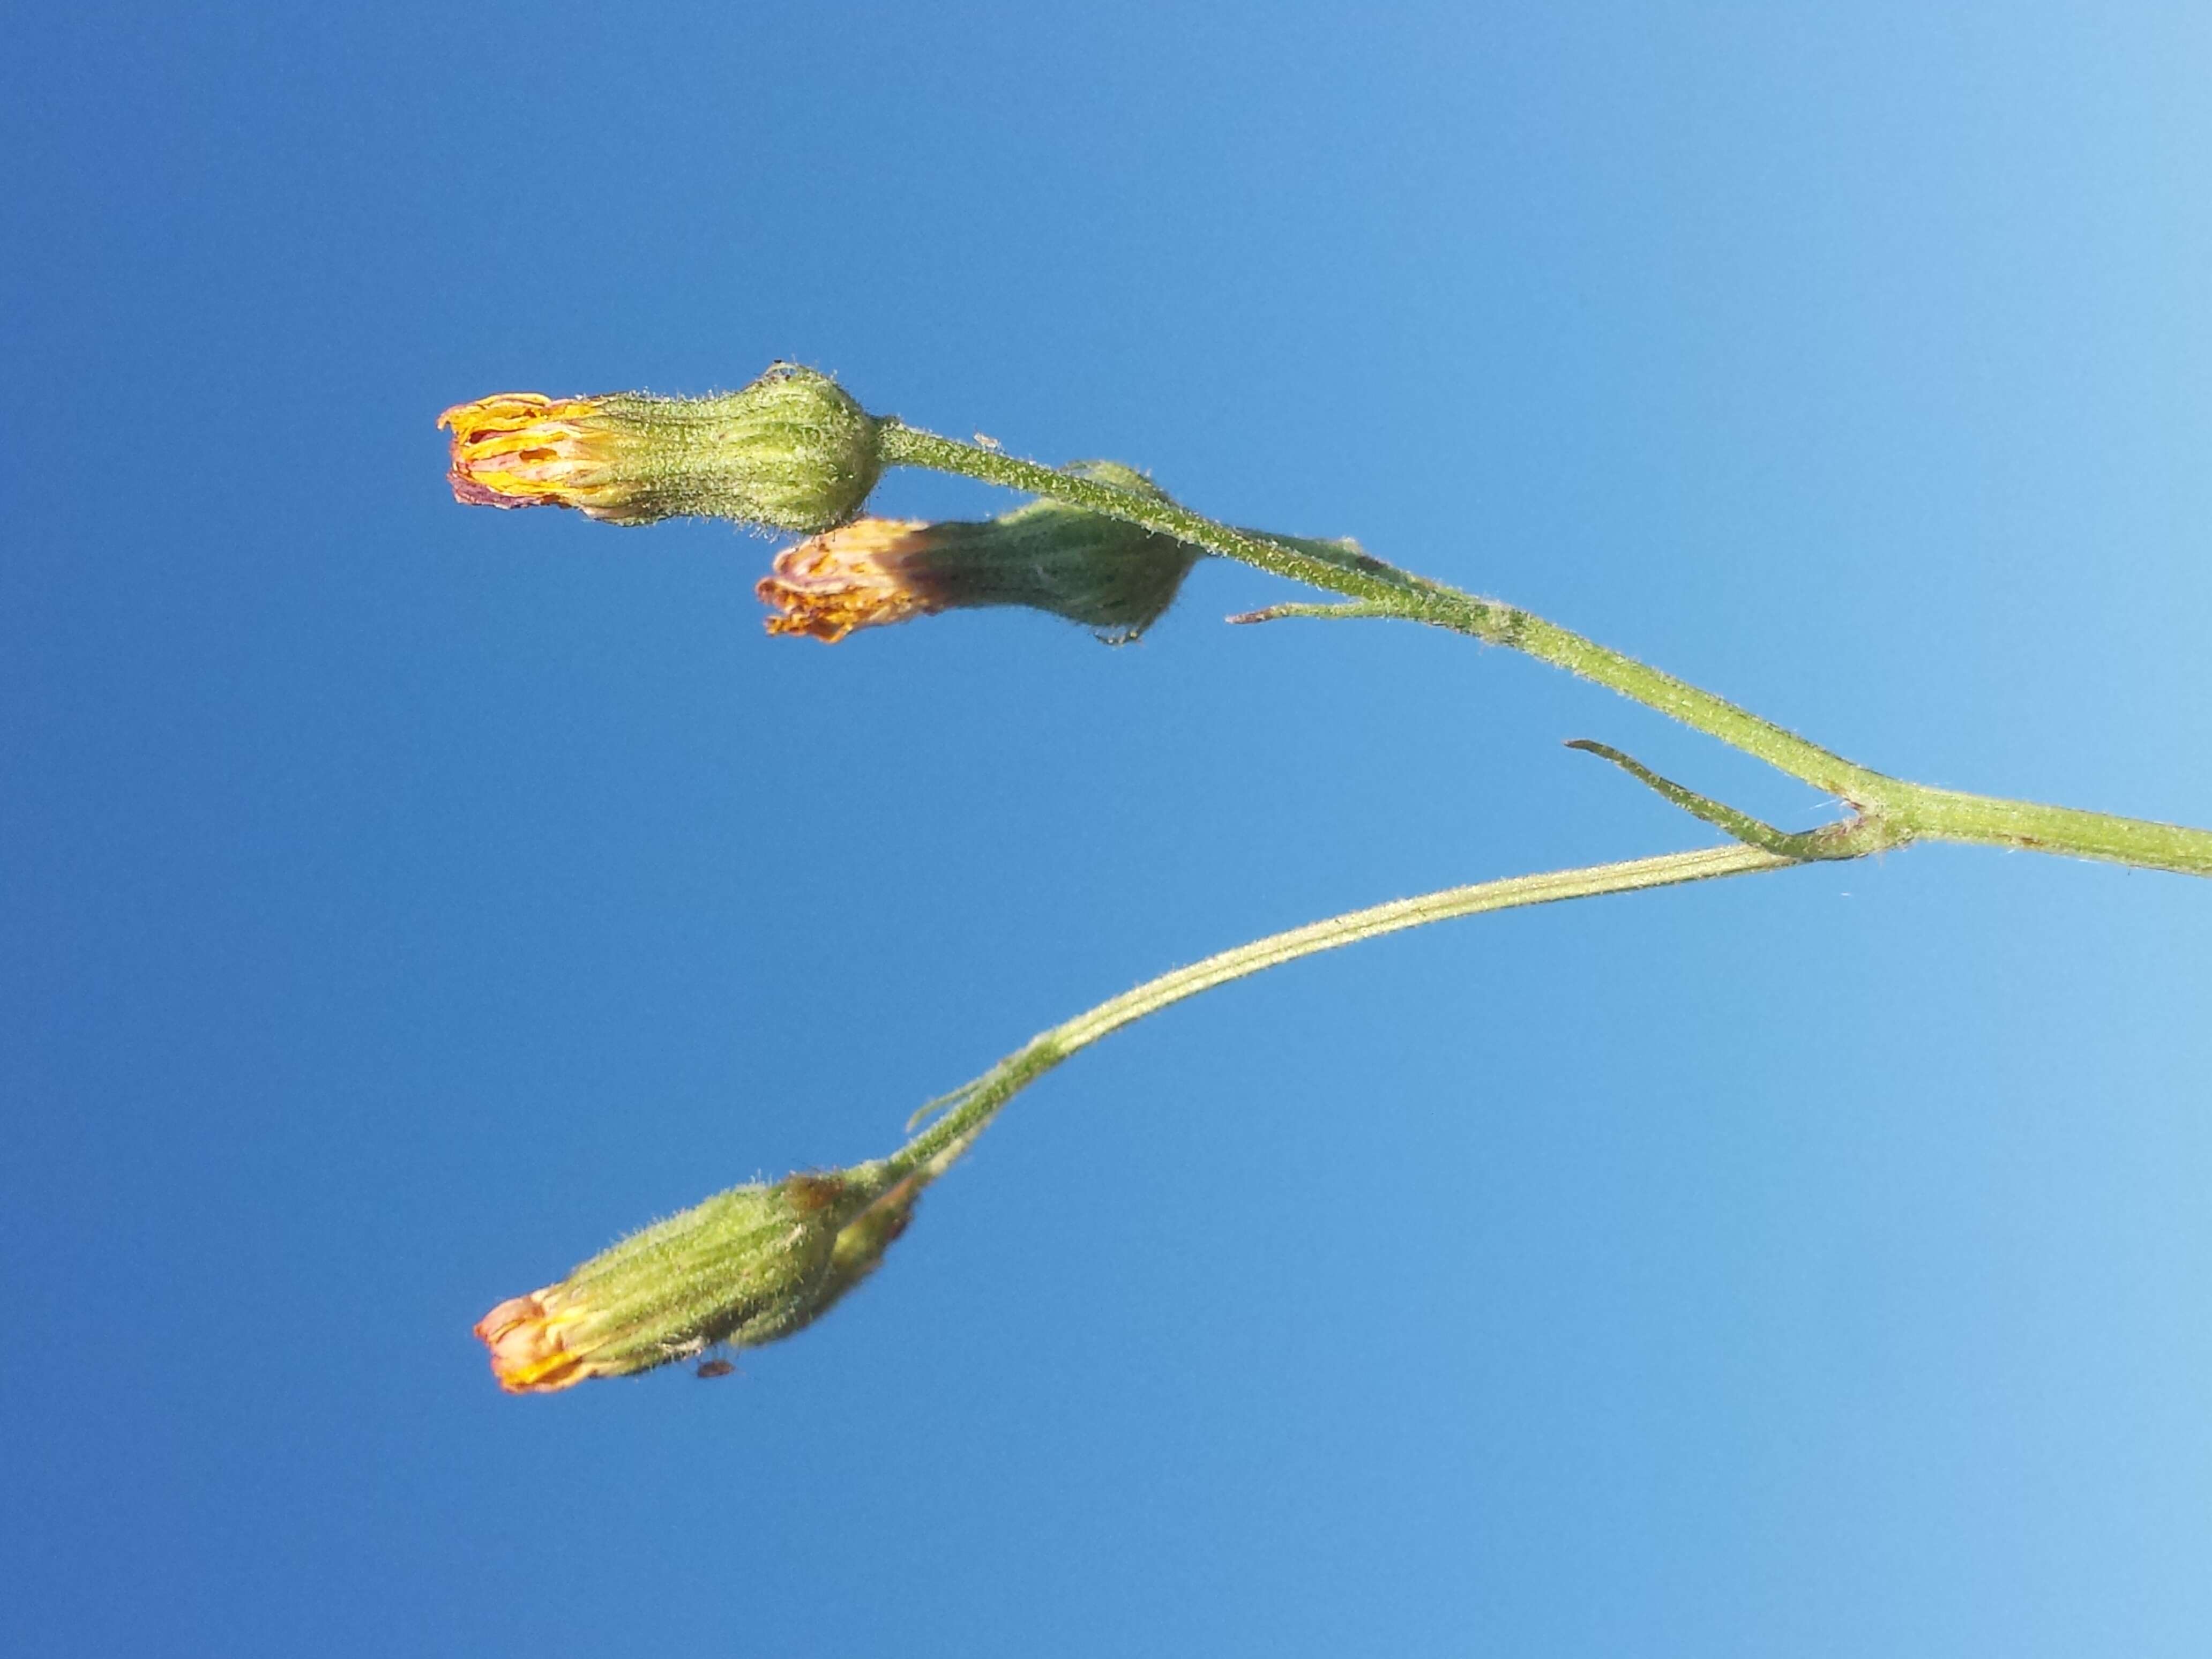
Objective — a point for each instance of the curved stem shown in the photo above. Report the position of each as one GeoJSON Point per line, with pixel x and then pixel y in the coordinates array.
{"type": "Point", "coordinates": [1400, 593]}
{"type": "Point", "coordinates": [1892, 812]}
{"type": "Point", "coordinates": [966, 1111]}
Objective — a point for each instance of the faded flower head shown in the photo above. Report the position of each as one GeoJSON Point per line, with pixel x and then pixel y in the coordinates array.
{"type": "Point", "coordinates": [856, 577]}
{"type": "Point", "coordinates": [791, 451]}
{"type": "Point", "coordinates": [1101, 572]}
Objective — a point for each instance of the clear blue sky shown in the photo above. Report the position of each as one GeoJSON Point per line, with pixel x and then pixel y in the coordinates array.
{"type": "Point", "coordinates": [397, 901]}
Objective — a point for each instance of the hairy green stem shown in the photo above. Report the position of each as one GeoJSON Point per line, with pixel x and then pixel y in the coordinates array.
{"type": "Point", "coordinates": [1397, 593]}
{"type": "Point", "coordinates": [1992, 821]}
{"type": "Point", "coordinates": [968, 1111]}
{"type": "Point", "coordinates": [1890, 811]}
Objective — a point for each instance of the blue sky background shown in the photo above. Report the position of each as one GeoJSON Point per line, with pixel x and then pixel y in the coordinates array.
{"type": "Point", "coordinates": [398, 902]}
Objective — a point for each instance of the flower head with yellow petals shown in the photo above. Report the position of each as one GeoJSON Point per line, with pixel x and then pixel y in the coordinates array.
{"type": "Point", "coordinates": [790, 451]}
{"type": "Point", "coordinates": [519, 449]}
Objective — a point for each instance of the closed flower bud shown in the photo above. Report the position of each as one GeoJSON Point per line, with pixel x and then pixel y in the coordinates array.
{"type": "Point", "coordinates": [791, 451]}
{"type": "Point", "coordinates": [1106, 574]}
{"type": "Point", "coordinates": [746, 1267]}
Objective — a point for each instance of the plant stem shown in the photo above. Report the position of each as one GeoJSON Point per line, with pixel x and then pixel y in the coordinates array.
{"type": "Point", "coordinates": [1415, 599]}
{"type": "Point", "coordinates": [1992, 821]}
{"type": "Point", "coordinates": [1892, 812]}
{"type": "Point", "coordinates": [970, 1108]}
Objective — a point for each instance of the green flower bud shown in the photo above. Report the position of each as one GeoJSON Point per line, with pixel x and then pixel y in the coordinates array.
{"type": "Point", "coordinates": [1106, 574]}
{"type": "Point", "coordinates": [791, 451]}
{"type": "Point", "coordinates": [746, 1267]}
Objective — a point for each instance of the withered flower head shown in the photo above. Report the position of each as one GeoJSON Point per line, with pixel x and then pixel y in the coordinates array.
{"type": "Point", "coordinates": [791, 451]}
{"type": "Point", "coordinates": [855, 577]}
{"type": "Point", "coordinates": [746, 1267]}
{"type": "Point", "coordinates": [1102, 572]}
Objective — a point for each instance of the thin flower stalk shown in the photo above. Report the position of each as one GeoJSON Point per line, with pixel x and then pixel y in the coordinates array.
{"type": "Point", "coordinates": [763, 1261]}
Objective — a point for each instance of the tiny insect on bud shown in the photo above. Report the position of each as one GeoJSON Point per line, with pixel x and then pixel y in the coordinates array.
{"type": "Point", "coordinates": [792, 451]}
{"type": "Point", "coordinates": [1108, 575]}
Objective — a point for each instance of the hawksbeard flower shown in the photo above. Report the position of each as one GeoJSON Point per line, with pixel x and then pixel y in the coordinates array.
{"type": "Point", "coordinates": [519, 449]}
{"type": "Point", "coordinates": [790, 451]}
{"type": "Point", "coordinates": [746, 1267]}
